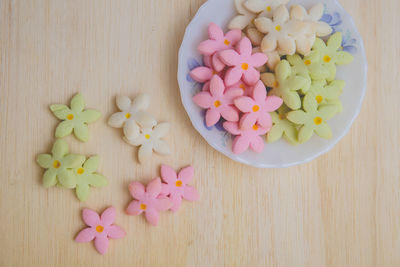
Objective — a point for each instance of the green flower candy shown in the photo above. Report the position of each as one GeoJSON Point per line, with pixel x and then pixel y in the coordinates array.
{"type": "Point", "coordinates": [282, 127]}
{"type": "Point", "coordinates": [86, 176]}
{"type": "Point", "coordinates": [299, 68]}
{"type": "Point", "coordinates": [285, 84]}
{"type": "Point", "coordinates": [59, 165]}
{"type": "Point", "coordinates": [75, 118]}
{"type": "Point", "coordinates": [313, 119]}
{"type": "Point", "coordinates": [323, 58]}
{"type": "Point", "coordinates": [322, 93]}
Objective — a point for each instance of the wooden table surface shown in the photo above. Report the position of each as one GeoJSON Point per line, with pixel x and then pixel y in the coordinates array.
{"type": "Point", "coordinates": [341, 209]}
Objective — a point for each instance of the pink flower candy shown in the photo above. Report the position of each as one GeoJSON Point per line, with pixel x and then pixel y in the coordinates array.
{"type": "Point", "coordinates": [243, 63]}
{"type": "Point", "coordinates": [217, 102]}
{"type": "Point", "coordinates": [257, 107]}
{"type": "Point", "coordinates": [247, 90]}
{"type": "Point", "coordinates": [176, 186]}
{"type": "Point", "coordinates": [246, 138]}
{"type": "Point", "coordinates": [203, 74]}
{"type": "Point", "coordinates": [147, 200]}
{"type": "Point", "coordinates": [218, 42]}
{"type": "Point", "coordinates": [100, 229]}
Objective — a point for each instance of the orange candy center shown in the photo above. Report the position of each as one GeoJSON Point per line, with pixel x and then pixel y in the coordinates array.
{"type": "Point", "coordinates": [127, 115]}
{"type": "Point", "coordinates": [217, 103]}
{"type": "Point", "coordinates": [99, 228]}
{"type": "Point", "coordinates": [327, 59]}
{"type": "Point", "coordinates": [143, 206]}
{"type": "Point", "coordinates": [245, 66]}
{"type": "Point", "coordinates": [255, 127]}
{"type": "Point", "coordinates": [70, 116]}
{"type": "Point", "coordinates": [178, 183]}
{"type": "Point", "coordinates": [80, 171]}
{"type": "Point", "coordinates": [56, 164]}
{"type": "Point", "coordinates": [317, 120]}
{"type": "Point", "coordinates": [278, 28]}
{"type": "Point", "coordinates": [226, 42]}
{"type": "Point", "coordinates": [269, 8]}
{"type": "Point", "coordinates": [319, 99]}
{"type": "Point", "coordinates": [255, 108]}
{"type": "Point", "coordinates": [307, 62]}
{"type": "Point", "coordinates": [147, 136]}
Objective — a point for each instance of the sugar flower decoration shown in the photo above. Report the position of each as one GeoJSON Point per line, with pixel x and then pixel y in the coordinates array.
{"type": "Point", "coordinates": [264, 8]}
{"type": "Point", "coordinates": [247, 90]}
{"type": "Point", "coordinates": [86, 176]}
{"type": "Point", "coordinates": [279, 31]}
{"type": "Point", "coordinates": [282, 127]}
{"type": "Point", "coordinates": [322, 93]}
{"type": "Point", "coordinates": [244, 18]}
{"type": "Point", "coordinates": [299, 68]}
{"type": "Point", "coordinates": [242, 63]}
{"type": "Point", "coordinates": [59, 165]}
{"type": "Point", "coordinates": [133, 115]}
{"type": "Point", "coordinates": [147, 200]}
{"type": "Point", "coordinates": [150, 139]}
{"type": "Point", "coordinates": [246, 138]}
{"type": "Point", "coordinates": [101, 228]}
{"type": "Point", "coordinates": [203, 74]}
{"type": "Point", "coordinates": [218, 42]}
{"type": "Point", "coordinates": [257, 107]}
{"type": "Point", "coordinates": [312, 119]}
{"type": "Point", "coordinates": [323, 58]}
{"type": "Point", "coordinates": [284, 84]}
{"type": "Point", "coordinates": [176, 185]}
{"type": "Point", "coordinates": [74, 118]}
{"type": "Point", "coordinates": [218, 102]}
{"type": "Point", "coordinates": [312, 17]}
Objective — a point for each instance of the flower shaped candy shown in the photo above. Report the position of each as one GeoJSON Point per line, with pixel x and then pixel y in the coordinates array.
{"type": "Point", "coordinates": [149, 139]}
{"type": "Point", "coordinates": [176, 186]}
{"type": "Point", "coordinates": [322, 93]}
{"type": "Point", "coordinates": [244, 18]}
{"type": "Point", "coordinates": [246, 138]}
{"type": "Point", "coordinates": [86, 176]}
{"type": "Point", "coordinates": [312, 119]}
{"type": "Point", "coordinates": [264, 8]}
{"type": "Point", "coordinates": [282, 127]}
{"type": "Point", "coordinates": [257, 107]}
{"type": "Point", "coordinates": [314, 27]}
{"type": "Point", "coordinates": [203, 74]}
{"type": "Point", "coordinates": [247, 90]}
{"type": "Point", "coordinates": [284, 84]}
{"type": "Point", "coordinates": [279, 31]}
{"type": "Point", "coordinates": [101, 228]}
{"type": "Point", "coordinates": [132, 115]}
{"type": "Point", "coordinates": [243, 63]}
{"type": "Point", "coordinates": [59, 165]}
{"type": "Point", "coordinates": [299, 68]}
{"type": "Point", "coordinates": [323, 58]}
{"type": "Point", "coordinates": [217, 102]}
{"type": "Point", "coordinates": [218, 42]}
{"type": "Point", "coordinates": [313, 16]}
{"type": "Point", "coordinates": [147, 200]}
{"type": "Point", "coordinates": [74, 118]}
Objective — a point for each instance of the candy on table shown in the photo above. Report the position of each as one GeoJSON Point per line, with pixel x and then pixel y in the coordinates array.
{"type": "Point", "coordinates": [148, 200]}
{"type": "Point", "coordinates": [132, 115]}
{"type": "Point", "coordinates": [176, 186]}
{"type": "Point", "coordinates": [149, 139]}
{"type": "Point", "coordinates": [74, 118]}
{"type": "Point", "coordinates": [100, 229]}
{"type": "Point", "coordinates": [59, 165]}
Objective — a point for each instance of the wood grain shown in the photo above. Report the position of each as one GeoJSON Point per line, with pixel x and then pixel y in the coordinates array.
{"type": "Point", "coordinates": [341, 209]}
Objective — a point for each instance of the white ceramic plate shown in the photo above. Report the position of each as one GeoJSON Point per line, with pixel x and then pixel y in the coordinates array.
{"type": "Point", "coordinates": [278, 154]}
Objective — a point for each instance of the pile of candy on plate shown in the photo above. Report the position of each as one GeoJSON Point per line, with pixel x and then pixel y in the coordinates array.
{"type": "Point", "coordinates": [271, 75]}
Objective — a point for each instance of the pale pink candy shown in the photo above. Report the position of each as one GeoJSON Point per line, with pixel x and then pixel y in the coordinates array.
{"type": "Point", "coordinates": [217, 102]}
{"type": "Point", "coordinates": [204, 73]}
{"type": "Point", "coordinates": [176, 186]}
{"type": "Point", "coordinates": [247, 90]}
{"type": "Point", "coordinates": [243, 63]}
{"type": "Point", "coordinates": [147, 201]}
{"type": "Point", "coordinates": [100, 229]}
{"type": "Point", "coordinates": [218, 42]}
{"type": "Point", "coordinates": [257, 107]}
{"type": "Point", "coordinates": [246, 138]}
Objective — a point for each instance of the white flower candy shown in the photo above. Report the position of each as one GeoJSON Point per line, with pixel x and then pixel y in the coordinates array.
{"type": "Point", "coordinates": [244, 18]}
{"type": "Point", "coordinates": [264, 7]}
{"type": "Point", "coordinates": [149, 139]}
{"type": "Point", "coordinates": [132, 115]}
{"type": "Point", "coordinates": [280, 31]}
